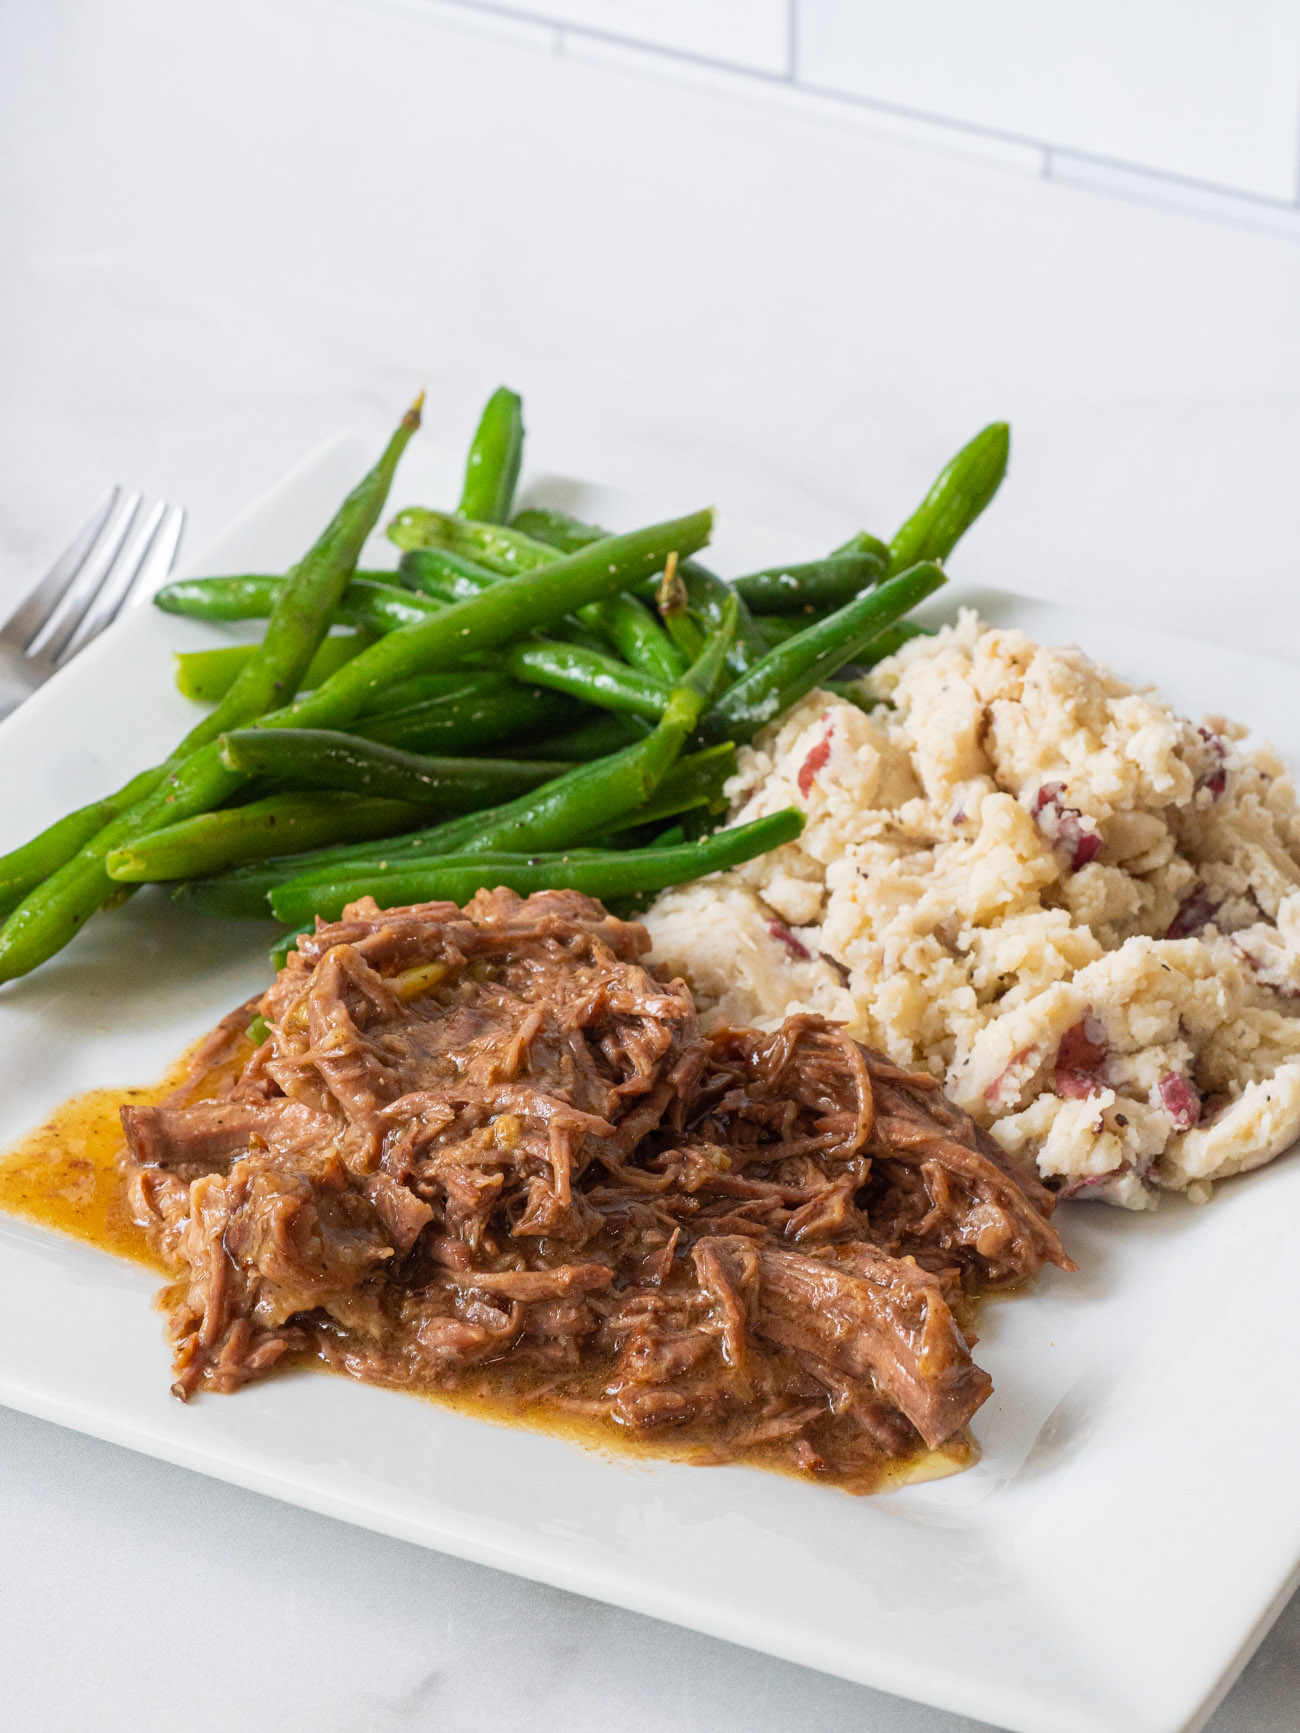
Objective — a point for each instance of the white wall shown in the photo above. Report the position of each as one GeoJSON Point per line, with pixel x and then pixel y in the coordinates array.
{"type": "Point", "coordinates": [1194, 103]}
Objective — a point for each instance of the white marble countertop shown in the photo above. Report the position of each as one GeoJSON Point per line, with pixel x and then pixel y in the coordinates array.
{"type": "Point", "coordinates": [228, 231]}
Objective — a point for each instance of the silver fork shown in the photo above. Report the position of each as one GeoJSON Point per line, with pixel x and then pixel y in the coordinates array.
{"type": "Point", "coordinates": [85, 589]}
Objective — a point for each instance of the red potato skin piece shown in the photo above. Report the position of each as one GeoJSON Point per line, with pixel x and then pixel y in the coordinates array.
{"type": "Point", "coordinates": [782, 934]}
{"type": "Point", "coordinates": [1079, 1062]}
{"type": "Point", "coordinates": [815, 761]}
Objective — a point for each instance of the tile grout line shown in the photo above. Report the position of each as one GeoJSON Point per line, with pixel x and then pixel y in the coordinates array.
{"type": "Point", "coordinates": [954, 131]}
{"type": "Point", "coordinates": [565, 28]}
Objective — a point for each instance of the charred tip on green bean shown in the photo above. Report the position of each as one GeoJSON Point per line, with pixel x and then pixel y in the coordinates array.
{"type": "Point", "coordinates": [672, 597]}
{"type": "Point", "coordinates": [673, 601]}
{"type": "Point", "coordinates": [961, 492]}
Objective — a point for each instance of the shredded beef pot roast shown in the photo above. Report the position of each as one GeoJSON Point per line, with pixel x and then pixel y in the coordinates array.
{"type": "Point", "coordinates": [490, 1138]}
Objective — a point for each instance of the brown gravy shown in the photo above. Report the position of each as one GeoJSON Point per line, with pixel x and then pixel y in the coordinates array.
{"type": "Point", "coordinates": [64, 1176]}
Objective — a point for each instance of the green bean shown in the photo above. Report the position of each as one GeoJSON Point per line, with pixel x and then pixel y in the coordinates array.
{"type": "Point", "coordinates": [608, 732]}
{"type": "Point", "coordinates": [193, 779]}
{"type": "Point", "coordinates": [475, 710]}
{"type": "Point", "coordinates": [674, 611]}
{"type": "Point", "coordinates": [207, 675]}
{"type": "Point", "coordinates": [557, 529]}
{"type": "Point", "coordinates": [863, 543]}
{"type": "Point", "coordinates": [619, 619]}
{"type": "Point", "coordinates": [891, 641]}
{"type": "Point", "coordinates": [327, 758]}
{"type": "Point", "coordinates": [706, 593]}
{"type": "Point", "coordinates": [693, 781]}
{"type": "Point", "coordinates": [531, 821]}
{"type": "Point", "coordinates": [587, 674]}
{"type": "Point", "coordinates": [507, 552]}
{"type": "Point", "coordinates": [481, 622]}
{"type": "Point", "coordinates": [248, 597]}
{"type": "Point", "coordinates": [386, 607]}
{"type": "Point", "coordinates": [637, 636]}
{"type": "Point", "coordinates": [585, 800]}
{"type": "Point", "coordinates": [24, 868]}
{"type": "Point", "coordinates": [634, 871]}
{"type": "Point", "coordinates": [381, 607]}
{"type": "Point", "coordinates": [447, 577]}
{"type": "Point", "coordinates": [214, 840]}
{"type": "Point", "coordinates": [776, 628]}
{"type": "Point", "coordinates": [851, 692]}
{"type": "Point", "coordinates": [422, 688]}
{"type": "Point", "coordinates": [957, 498]}
{"type": "Point", "coordinates": [279, 952]}
{"type": "Point", "coordinates": [500, 614]}
{"type": "Point", "coordinates": [816, 584]}
{"type": "Point", "coordinates": [692, 787]}
{"type": "Point", "coordinates": [311, 592]}
{"type": "Point", "coordinates": [676, 833]}
{"type": "Point", "coordinates": [494, 457]}
{"type": "Point", "coordinates": [786, 673]}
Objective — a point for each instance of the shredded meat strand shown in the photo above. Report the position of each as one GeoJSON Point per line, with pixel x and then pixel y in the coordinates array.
{"type": "Point", "coordinates": [538, 1167]}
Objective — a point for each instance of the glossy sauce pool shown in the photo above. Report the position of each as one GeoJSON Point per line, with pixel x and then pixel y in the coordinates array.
{"type": "Point", "coordinates": [65, 1176]}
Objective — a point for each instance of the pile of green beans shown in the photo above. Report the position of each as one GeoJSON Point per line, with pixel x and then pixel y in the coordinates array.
{"type": "Point", "coordinates": [525, 700]}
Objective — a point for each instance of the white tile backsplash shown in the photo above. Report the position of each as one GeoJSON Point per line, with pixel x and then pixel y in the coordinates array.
{"type": "Point", "coordinates": [812, 105]}
{"type": "Point", "coordinates": [1205, 89]}
{"type": "Point", "coordinates": [754, 34]}
{"type": "Point", "coordinates": [1193, 104]}
{"type": "Point", "coordinates": [1139, 186]}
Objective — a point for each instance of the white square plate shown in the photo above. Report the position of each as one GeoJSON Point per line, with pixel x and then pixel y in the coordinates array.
{"type": "Point", "coordinates": [1109, 1565]}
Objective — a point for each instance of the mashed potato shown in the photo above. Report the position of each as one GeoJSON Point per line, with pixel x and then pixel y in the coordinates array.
{"type": "Point", "coordinates": [1079, 910]}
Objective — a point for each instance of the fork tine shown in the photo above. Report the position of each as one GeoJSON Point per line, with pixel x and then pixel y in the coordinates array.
{"type": "Point", "coordinates": [161, 556]}
{"type": "Point", "coordinates": [30, 615]}
{"type": "Point", "coordinates": [116, 587]}
{"type": "Point", "coordinates": [72, 609]}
